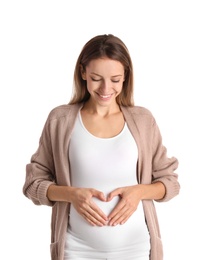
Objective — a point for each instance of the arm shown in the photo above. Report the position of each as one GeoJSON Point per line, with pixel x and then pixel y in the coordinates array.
{"type": "Point", "coordinates": [144, 191]}
{"type": "Point", "coordinates": [154, 191]}
{"type": "Point", "coordinates": [163, 167]}
{"type": "Point", "coordinates": [40, 172]}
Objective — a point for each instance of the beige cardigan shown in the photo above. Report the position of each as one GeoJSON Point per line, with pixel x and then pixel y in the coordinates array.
{"type": "Point", "coordinates": [50, 164]}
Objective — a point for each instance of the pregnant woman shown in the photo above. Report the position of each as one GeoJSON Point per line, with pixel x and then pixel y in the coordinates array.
{"type": "Point", "coordinates": [101, 164]}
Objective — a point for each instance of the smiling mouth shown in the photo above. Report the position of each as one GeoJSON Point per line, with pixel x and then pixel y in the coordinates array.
{"type": "Point", "coordinates": [105, 96]}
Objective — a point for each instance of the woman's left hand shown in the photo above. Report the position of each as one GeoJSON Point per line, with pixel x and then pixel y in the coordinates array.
{"type": "Point", "coordinates": [130, 197]}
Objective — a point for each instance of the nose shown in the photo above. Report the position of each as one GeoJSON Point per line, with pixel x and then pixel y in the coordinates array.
{"type": "Point", "coordinates": [105, 86]}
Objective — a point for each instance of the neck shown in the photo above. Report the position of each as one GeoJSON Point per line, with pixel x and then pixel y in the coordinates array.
{"type": "Point", "coordinates": [101, 110]}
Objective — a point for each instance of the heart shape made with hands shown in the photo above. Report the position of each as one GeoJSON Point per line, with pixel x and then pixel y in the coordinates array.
{"type": "Point", "coordinates": [107, 206]}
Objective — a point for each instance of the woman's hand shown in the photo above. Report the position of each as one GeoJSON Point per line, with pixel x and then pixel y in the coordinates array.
{"type": "Point", "coordinates": [81, 199]}
{"type": "Point", "coordinates": [130, 198]}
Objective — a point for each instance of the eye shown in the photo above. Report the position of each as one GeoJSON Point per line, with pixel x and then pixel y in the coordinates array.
{"type": "Point", "coordinates": [115, 81]}
{"type": "Point", "coordinates": [96, 80]}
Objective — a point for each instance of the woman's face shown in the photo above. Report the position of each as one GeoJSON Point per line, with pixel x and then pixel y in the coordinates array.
{"type": "Point", "coordinates": [105, 79]}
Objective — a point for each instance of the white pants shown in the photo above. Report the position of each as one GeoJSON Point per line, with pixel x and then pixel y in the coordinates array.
{"type": "Point", "coordinates": [77, 249]}
{"type": "Point", "coordinates": [124, 258]}
{"type": "Point", "coordinates": [78, 258]}
{"type": "Point", "coordinates": [93, 255]}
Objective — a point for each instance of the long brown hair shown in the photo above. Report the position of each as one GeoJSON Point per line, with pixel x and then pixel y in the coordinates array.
{"type": "Point", "coordinates": [100, 46]}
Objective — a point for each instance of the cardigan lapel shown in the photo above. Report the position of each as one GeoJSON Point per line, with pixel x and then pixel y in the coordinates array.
{"type": "Point", "coordinates": [130, 120]}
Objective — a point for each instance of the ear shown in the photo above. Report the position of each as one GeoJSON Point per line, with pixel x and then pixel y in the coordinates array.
{"type": "Point", "coordinates": [83, 72]}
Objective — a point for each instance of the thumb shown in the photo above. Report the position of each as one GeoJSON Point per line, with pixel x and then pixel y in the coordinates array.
{"type": "Point", "coordinates": [114, 193]}
{"type": "Point", "coordinates": [99, 194]}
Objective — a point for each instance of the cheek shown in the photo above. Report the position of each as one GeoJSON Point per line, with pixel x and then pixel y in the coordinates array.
{"type": "Point", "coordinates": [119, 88]}
{"type": "Point", "coordinates": [90, 86]}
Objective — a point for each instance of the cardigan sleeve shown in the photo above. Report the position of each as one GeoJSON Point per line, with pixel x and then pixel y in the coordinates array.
{"type": "Point", "coordinates": [163, 167]}
{"type": "Point", "coordinates": [40, 172]}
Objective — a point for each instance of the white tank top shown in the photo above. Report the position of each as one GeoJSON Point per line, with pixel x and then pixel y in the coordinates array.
{"type": "Point", "coordinates": [104, 164]}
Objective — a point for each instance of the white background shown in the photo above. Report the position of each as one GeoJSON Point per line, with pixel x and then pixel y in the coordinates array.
{"type": "Point", "coordinates": [170, 44]}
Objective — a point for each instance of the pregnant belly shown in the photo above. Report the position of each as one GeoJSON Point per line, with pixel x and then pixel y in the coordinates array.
{"type": "Point", "coordinates": [110, 237]}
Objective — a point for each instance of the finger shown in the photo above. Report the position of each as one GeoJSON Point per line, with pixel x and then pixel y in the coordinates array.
{"type": "Point", "coordinates": [94, 218]}
{"type": "Point", "coordinates": [114, 193]}
{"type": "Point", "coordinates": [121, 217]}
{"type": "Point", "coordinates": [98, 194]}
{"type": "Point", "coordinates": [89, 208]}
{"type": "Point", "coordinates": [97, 212]}
{"type": "Point", "coordinates": [113, 221]}
{"type": "Point", "coordinates": [117, 209]}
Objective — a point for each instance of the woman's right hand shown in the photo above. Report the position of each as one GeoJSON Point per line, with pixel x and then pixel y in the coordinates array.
{"type": "Point", "coordinates": [81, 199]}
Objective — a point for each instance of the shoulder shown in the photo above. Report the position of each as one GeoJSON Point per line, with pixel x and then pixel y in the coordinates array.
{"type": "Point", "coordinates": [138, 111]}
{"type": "Point", "coordinates": [141, 116]}
{"type": "Point", "coordinates": [63, 111]}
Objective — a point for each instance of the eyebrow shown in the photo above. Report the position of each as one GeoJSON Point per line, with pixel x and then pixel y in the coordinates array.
{"type": "Point", "coordinates": [93, 73]}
